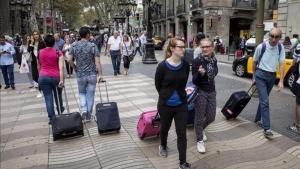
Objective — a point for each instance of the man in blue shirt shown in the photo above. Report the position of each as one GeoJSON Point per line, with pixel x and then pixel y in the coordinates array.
{"type": "Point", "coordinates": [7, 62]}
{"type": "Point", "coordinates": [267, 56]}
{"type": "Point", "coordinates": [59, 43]}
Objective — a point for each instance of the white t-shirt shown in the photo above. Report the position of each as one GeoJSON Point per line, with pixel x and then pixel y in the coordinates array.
{"type": "Point", "coordinates": [114, 43]}
{"type": "Point", "coordinates": [129, 48]}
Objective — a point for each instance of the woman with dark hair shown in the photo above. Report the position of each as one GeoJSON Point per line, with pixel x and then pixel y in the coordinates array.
{"type": "Point", "coordinates": [34, 47]}
{"type": "Point", "coordinates": [170, 80]}
{"type": "Point", "coordinates": [51, 64]}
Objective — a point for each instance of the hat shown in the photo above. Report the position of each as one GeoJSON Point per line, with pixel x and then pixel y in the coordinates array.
{"type": "Point", "coordinates": [297, 51]}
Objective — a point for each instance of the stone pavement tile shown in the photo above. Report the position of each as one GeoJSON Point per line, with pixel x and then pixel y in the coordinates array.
{"type": "Point", "coordinates": [37, 119]}
{"type": "Point", "coordinates": [26, 141]}
{"type": "Point", "coordinates": [38, 167]}
{"type": "Point", "coordinates": [26, 161]}
{"type": "Point", "coordinates": [88, 163]}
{"type": "Point", "coordinates": [24, 151]}
{"type": "Point", "coordinates": [27, 133]}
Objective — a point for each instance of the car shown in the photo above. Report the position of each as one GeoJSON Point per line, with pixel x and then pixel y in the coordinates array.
{"type": "Point", "coordinates": [158, 42]}
{"type": "Point", "coordinates": [243, 67]}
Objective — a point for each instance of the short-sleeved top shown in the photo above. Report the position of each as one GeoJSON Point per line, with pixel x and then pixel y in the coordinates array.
{"type": "Point", "coordinates": [49, 62]}
{"type": "Point", "coordinates": [84, 53]}
{"type": "Point", "coordinates": [128, 49]}
{"type": "Point", "coordinates": [114, 43]}
{"type": "Point", "coordinates": [270, 58]}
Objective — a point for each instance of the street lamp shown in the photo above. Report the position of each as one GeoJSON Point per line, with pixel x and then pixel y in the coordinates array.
{"type": "Point", "coordinates": [127, 6]}
{"type": "Point", "coordinates": [149, 55]}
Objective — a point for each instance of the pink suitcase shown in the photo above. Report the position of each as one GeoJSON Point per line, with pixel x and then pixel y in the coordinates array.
{"type": "Point", "coordinates": [148, 124]}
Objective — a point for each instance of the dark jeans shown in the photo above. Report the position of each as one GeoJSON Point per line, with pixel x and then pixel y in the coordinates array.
{"type": "Point", "coordinates": [205, 112]}
{"type": "Point", "coordinates": [8, 74]}
{"type": "Point", "coordinates": [264, 84]}
{"type": "Point", "coordinates": [116, 60]}
{"type": "Point", "coordinates": [138, 49]}
{"type": "Point", "coordinates": [179, 114]}
{"type": "Point", "coordinates": [69, 68]}
{"type": "Point", "coordinates": [126, 62]}
{"type": "Point", "coordinates": [48, 86]}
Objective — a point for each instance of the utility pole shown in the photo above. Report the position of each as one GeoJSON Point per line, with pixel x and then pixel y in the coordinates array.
{"type": "Point", "coordinates": [260, 21]}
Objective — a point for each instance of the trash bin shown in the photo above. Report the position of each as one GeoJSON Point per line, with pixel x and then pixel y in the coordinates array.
{"type": "Point", "coordinates": [189, 55]}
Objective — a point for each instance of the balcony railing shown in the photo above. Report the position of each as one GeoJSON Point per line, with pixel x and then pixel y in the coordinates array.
{"type": "Point", "coordinates": [196, 4]}
{"type": "Point", "coordinates": [250, 4]}
{"type": "Point", "coordinates": [163, 14]}
{"type": "Point", "coordinates": [170, 13]}
{"type": "Point", "coordinates": [180, 9]}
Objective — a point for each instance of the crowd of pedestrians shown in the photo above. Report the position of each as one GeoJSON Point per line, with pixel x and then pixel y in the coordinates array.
{"type": "Point", "coordinates": [47, 57]}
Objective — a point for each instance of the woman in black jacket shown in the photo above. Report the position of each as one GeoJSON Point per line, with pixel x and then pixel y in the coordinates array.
{"type": "Point", "coordinates": [34, 47]}
{"type": "Point", "coordinates": [170, 80]}
{"type": "Point", "coordinates": [204, 69]}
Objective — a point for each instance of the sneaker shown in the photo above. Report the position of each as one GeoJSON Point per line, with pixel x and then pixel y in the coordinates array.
{"type": "Point", "coordinates": [88, 118]}
{"type": "Point", "coordinates": [201, 146]}
{"type": "Point", "coordinates": [185, 166]}
{"type": "Point", "coordinates": [39, 95]}
{"type": "Point", "coordinates": [295, 128]}
{"type": "Point", "coordinates": [6, 87]}
{"type": "Point", "coordinates": [204, 136]}
{"type": "Point", "coordinates": [259, 124]}
{"type": "Point", "coordinates": [83, 115]}
{"type": "Point", "coordinates": [268, 133]}
{"type": "Point", "coordinates": [163, 152]}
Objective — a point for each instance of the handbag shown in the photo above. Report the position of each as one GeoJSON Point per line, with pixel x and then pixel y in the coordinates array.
{"type": "Point", "coordinates": [24, 66]}
{"type": "Point", "coordinates": [131, 56]}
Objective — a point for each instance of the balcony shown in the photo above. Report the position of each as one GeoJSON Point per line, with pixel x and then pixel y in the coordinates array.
{"type": "Point", "coordinates": [170, 13]}
{"type": "Point", "coordinates": [180, 9]}
{"type": "Point", "coordinates": [163, 14]}
{"type": "Point", "coordinates": [196, 4]}
{"type": "Point", "coordinates": [244, 4]}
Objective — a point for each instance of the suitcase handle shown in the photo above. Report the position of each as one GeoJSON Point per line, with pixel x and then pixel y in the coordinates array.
{"type": "Point", "coordinates": [103, 81]}
{"type": "Point", "coordinates": [59, 101]}
{"type": "Point", "coordinates": [253, 85]}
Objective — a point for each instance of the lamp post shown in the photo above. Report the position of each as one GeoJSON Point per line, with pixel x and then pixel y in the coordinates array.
{"type": "Point", "coordinates": [127, 6]}
{"type": "Point", "coordinates": [149, 54]}
{"type": "Point", "coordinates": [260, 21]}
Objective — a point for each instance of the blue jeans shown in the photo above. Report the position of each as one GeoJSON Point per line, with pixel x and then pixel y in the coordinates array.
{"type": "Point", "coordinates": [48, 85]}
{"type": "Point", "coordinates": [116, 60]}
{"type": "Point", "coordinates": [86, 88]}
{"type": "Point", "coordinates": [264, 84]}
{"type": "Point", "coordinates": [8, 74]}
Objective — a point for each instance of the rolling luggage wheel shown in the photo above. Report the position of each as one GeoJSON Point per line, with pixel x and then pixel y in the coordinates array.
{"type": "Point", "coordinates": [143, 136]}
{"type": "Point", "coordinates": [157, 135]}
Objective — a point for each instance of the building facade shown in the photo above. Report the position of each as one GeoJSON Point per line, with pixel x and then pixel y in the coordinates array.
{"type": "Point", "coordinates": [289, 24]}
{"type": "Point", "coordinates": [5, 26]}
{"type": "Point", "coordinates": [228, 19]}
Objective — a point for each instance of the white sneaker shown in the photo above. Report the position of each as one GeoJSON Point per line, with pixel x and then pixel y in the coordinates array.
{"type": "Point", "coordinates": [204, 136]}
{"type": "Point", "coordinates": [201, 147]}
{"type": "Point", "coordinates": [39, 95]}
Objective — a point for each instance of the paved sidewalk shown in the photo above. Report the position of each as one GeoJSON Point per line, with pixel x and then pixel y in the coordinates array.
{"type": "Point", "coordinates": [26, 140]}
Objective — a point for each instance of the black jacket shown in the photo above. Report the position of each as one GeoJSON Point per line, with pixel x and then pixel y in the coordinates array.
{"type": "Point", "coordinates": [204, 82]}
{"type": "Point", "coordinates": [167, 81]}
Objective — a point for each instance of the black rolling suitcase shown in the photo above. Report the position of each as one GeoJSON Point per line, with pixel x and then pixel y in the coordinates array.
{"type": "Point", "coordinates": [107, 115]}
{"type": "Point", "coordinates": [66, 125]}
{"type": "Point", "coordinates": [236, 103]}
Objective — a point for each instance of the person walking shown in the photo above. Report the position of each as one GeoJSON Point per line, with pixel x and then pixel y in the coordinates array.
{"type": "Point", "coordinates": [266, 58]}
{"type": "Point", "coordinates": [114, 48]}
{"type": "Point", "coordinates": [198, 39]}
{"type": "Point", "coordinates": [127, 50]}
{"type": "Point", "coordinates": [59, 43]}
{"type": "Point", "coordinates": [66, 51]}
{"type": "Point", "coordinates": [35, 46]}
{"type": "Point", "coordinates": [204, 69]}
{"type": "Point", "coordinates": [7, 63]}
{"type": "Point", "coordinates": [51, 75]}
{"type": "Point", "coordinates": [137, 44]}
{"type": "Point", "coordinates": [87, 66]}
{"type": "Point", "coordinates": [26, 55]}
{"type": "Point", "coordinates": [170, 80]}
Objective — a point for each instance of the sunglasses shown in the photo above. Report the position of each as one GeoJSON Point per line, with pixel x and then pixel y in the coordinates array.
{"type": "Point", "coordinates": [275, 37]}
{"type": "Point", "coordinates": [182, 47]}
{"type": "Point", "coordinates": [204, 47]}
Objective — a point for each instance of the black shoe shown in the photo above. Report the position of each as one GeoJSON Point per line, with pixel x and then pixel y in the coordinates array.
{"type": "Point", "coordinates": [119, 72]}
{"type": "Point", "coordinates": [6, 87]}
{"type": "Point", "coordinates": [185, 166]}
{"type": "Point", "coordinates": [0, 86]}
{"type": "Point", "coordinates": [115, 74]}
{"type": "Point", "coordinates": [13, 87]}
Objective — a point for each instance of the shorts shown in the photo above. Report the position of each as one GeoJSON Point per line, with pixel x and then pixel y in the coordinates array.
{"type": "Point", "coordinates": [297, 93]}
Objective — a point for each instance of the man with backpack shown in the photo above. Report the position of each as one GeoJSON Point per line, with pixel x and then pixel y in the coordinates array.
{"type": "Point", "coordinates": [266, 58]}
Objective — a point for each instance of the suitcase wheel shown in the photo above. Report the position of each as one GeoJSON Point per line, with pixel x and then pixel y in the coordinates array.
{"type": "Point", "coordinates": [143, 136]}
{"type": "Point", "coordinates": [81, 133]}
{"type": "Point", "coordinates": [54, 138]}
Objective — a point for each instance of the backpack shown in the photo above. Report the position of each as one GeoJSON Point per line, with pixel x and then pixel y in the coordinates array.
{"type": "Point", "coordinates": [263, 49]}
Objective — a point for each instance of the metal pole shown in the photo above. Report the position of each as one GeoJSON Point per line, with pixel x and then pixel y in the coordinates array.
{"type": "Point", "coordinates": [260, 21]}
{"type": "Point", "coordinates": [128, 23]}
